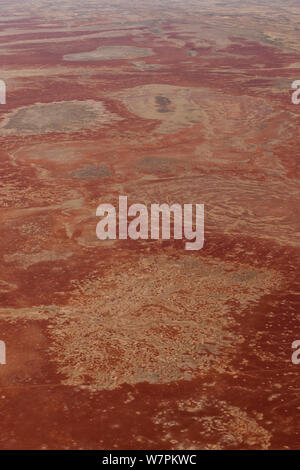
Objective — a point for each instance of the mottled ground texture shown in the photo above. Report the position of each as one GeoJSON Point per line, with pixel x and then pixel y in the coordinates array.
{"type": "Point", "coordinates": [142, 344]}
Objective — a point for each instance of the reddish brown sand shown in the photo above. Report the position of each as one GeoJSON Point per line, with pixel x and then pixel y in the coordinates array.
{"type": "Point", "coordinates": [141, 344]}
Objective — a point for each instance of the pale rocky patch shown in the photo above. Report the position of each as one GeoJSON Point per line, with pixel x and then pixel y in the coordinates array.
{"type": "Point", "coordinates": [158, 321]}
{"type": "Point", "coordinates": [62, 116]}
{"type": "Point", "coordinates": [110, 53]}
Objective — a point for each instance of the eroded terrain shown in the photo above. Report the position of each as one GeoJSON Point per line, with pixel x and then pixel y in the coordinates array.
{"type": "Point", "coordinates": [124, 344]}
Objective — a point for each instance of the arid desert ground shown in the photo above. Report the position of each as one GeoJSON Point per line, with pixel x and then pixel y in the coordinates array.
{"type": "Point", "coordinates": [140, 344]}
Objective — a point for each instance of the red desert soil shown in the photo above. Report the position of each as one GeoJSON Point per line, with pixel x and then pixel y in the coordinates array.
{"type": "Point", "coordinates": [141, 344]}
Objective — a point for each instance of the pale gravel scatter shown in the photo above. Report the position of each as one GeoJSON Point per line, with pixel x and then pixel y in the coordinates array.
{"type": "Point", "coordinates": [110, 53]}
{"type": "Point", "coordinates": [143, 66]}
{"type": "Point", "coordinates": [24, 260]}
{"type": "Point", "coordinates": [41, 312]}
{"type": "Point", "coordinates": [62, 116]}
{"type": "Point", "coordinates": [91, 172]}
{"type": "Point", "coordinates": [212, 420]}
{"type": "Point", "coordinates": [157, 322]}
{"type": "Point", "coordinates": [6, 286]}
{"type": "Point", "coordinates": [188, 106]}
